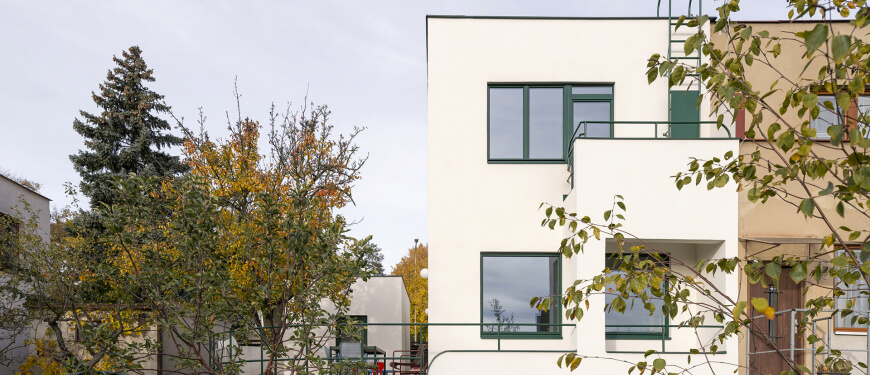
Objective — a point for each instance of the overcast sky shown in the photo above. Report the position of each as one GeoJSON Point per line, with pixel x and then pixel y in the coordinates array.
{"type": "Point", "coordinates": [365, 59]}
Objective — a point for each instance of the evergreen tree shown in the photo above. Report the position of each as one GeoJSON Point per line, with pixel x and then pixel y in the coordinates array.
{"type": "Point", "coordinates": [127, 137]}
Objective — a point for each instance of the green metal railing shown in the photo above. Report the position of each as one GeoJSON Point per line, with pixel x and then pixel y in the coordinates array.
{"type": "Point", "coordinates": [663, 336]}
{"type": "Point", "coordinates": [499, 335]}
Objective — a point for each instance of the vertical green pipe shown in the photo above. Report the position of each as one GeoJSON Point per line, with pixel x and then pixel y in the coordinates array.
{"type": "Point", "coordinates": [262, 335]}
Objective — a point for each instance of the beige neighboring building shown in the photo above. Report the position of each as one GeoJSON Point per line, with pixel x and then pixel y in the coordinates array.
{"type": "Point", "coordinates": [775, 229]}
{"type": "Point", "coordinates": [12, 197]}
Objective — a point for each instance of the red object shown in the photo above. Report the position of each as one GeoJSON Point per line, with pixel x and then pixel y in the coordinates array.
{"type": "Point", "coordinates": [380, 369]}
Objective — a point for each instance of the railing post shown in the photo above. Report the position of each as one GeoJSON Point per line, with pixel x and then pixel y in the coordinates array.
{"type": "Point", "coordinates": [748, 344]}
{"type": "Point", "coordinates": [814, 348]}
{"type": "Point", "coordinates": [791, 335]}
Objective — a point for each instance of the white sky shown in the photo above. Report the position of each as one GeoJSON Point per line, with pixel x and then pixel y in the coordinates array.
{"type": "Point", "coordinates": [365, 59]}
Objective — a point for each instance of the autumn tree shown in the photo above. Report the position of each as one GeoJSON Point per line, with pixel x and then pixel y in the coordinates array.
{"type": "Point", "coordinates": [782, 161]}
{"type": "Point", "coordinates": [409, 268]}
{"type": "Point", "coordinates": [246, 245]}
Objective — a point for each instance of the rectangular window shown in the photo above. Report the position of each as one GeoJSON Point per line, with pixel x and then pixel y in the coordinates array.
{"type": "Point", "coordinates": [508, 282]}
{"type": "Point", "coordinates": [826, 117]}
{"type": "Point", "coordinates": [350, 326]}
{"type": "Point", "coordinates": [535, 123]}
{"type": "Point", "coordinates": [855, 298]}
{"type": "Point", "coordinates": [636, 322]}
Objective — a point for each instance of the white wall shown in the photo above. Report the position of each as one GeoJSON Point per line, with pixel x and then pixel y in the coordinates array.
{"type": "Point", "coordinates": [10, 195]}
{"type": "Point", "coordinates": [478, 207]}
{"type": "Point", "coordinates": [690, 223]}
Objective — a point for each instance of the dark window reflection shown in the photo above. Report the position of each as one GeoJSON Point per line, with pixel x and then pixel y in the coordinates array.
{"type": "Point", "coordinates": [509, 283]}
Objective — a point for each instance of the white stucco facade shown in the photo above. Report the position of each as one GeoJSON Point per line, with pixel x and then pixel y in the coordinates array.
{"type": "Point", "coordinates": [477, 206]}
{"type": "Point", "coordinates": [13, 199]}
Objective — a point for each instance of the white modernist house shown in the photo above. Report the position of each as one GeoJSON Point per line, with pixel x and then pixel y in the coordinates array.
{"type": "Point", "coordinates": [381, 303]}
{"type": "Point", "coordinates": [524, 111]}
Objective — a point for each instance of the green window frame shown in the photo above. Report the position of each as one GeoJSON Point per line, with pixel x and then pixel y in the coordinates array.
{"type": "Point", "coordinates": [571, 93]}
{"type": "Point", "coordinates": [663, 335]}
{"type": "Point", "coordinates": [353, 319]}
{"type": "Point", "coordinates": [554, 266]}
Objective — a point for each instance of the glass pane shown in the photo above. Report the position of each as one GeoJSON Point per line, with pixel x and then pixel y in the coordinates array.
{"type": "Point", "coordinates": [545, 123]}
{"type": "Point", "coordinates": [597, 90]}
{"type": "Point", "coordinates": [505, 123]}
{"type": "Point", "coordinates": [635, 313]}
{"type": "Point", "coordinates": [509, 283]}
{"type": "Point", "coordinates": [863, 110]}
{"type": "Point", "coordinates": [826, 117]}
{"type": "Point", "coordinates": [591, 112]}
{"type": "Point", "coordinates": [861, 305]}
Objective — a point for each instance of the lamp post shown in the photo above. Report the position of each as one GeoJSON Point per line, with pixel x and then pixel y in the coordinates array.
{"type": "Point", "coordinates": [416, 241]}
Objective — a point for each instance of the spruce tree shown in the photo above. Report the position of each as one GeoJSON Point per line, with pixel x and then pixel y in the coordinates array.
{"type": "Point", "coordinates": [127, 136]}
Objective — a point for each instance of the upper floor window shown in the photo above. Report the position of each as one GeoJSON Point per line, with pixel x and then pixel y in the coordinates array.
{"type": "Point", "coordinates": [508, 282]}
{"type": "Point", "coordinates": [836, 115]}
{"type": "Point", "coordinates": [536, 122]}
{"type": "Point", "coordinates": [855, 299]}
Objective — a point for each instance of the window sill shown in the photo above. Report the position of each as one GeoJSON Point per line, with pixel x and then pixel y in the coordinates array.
{"type": "Point", "coordinates": [636, 336]}
{"type": "Point", "coordinates": [543, 161]}
{"type": "Point", "coordinates": [850, 333]}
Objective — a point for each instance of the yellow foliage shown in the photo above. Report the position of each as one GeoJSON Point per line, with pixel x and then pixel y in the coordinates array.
{"type": "Point", "coordinates": [43, 359]}
{"type": "Point", "coordinates": [418, 288]}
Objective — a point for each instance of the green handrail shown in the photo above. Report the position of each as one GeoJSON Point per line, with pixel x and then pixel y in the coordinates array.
{"type": "Point", "coordinates": [422, 358]}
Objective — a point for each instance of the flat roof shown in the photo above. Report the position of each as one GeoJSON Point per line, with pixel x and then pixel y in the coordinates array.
{"type": "Point", "coordinates": [24, 187]}
{"type": "Point", "coordinates": [545, 17]}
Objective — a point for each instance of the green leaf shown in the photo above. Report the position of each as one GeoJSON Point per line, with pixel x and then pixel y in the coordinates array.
{"type": "Point", "coordinates": [840, 46]}
{"type": "Point", "coordinates": [773, 269]}
{"type": "Point", "coordinates": [843, 100]}
{"type": "Point", "coordinates": [840, 261]}
{"type": "Point", "coordinates": [738, 309]}
{"type": "Point", "coordinates": [649, 352]}
{"type": "Point", "coordinates": [807, 206]}
{"type": "Point", "coordinates": [659, 364]}
{"type": "Point", "coordinates": [840, 209]}
{"type": "Point", "coordinates": [815, 37]}
{"type": "Point", "coordinates": [798, 272]}
{"type": "Point", "coordinates": [575, 363]}
{"type": "Point", "coordinates": [759, 303]}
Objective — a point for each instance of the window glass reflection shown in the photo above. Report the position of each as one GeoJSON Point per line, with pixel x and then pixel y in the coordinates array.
{"type": "Point", "coordinates": [505, 123]}
{"type": "Point", "coordinates": [635, 313]}
{"type": "Point", "coordinates": [826, 117]}
{"type": "Point", "coordinates": [545, 123]}
{"type": "Point", "coordinates": [592, 90]}
{"type": "Point", "coordinates": [509, 283]}
{"type": "Point", "coordinates": [592, 111]}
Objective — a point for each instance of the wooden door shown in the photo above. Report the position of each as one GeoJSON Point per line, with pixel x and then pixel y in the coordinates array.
{"type": "Point", "coordinates": [788, 296]}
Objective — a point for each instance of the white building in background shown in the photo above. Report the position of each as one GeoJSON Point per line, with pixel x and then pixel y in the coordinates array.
{"type": "Point", "coordinates": [508, 103]}
{"type": "Point", "coordinates": [12, 197]}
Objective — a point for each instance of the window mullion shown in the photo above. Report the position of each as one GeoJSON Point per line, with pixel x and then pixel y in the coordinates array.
{"type": "Point", "coordinates": [526, 122]}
